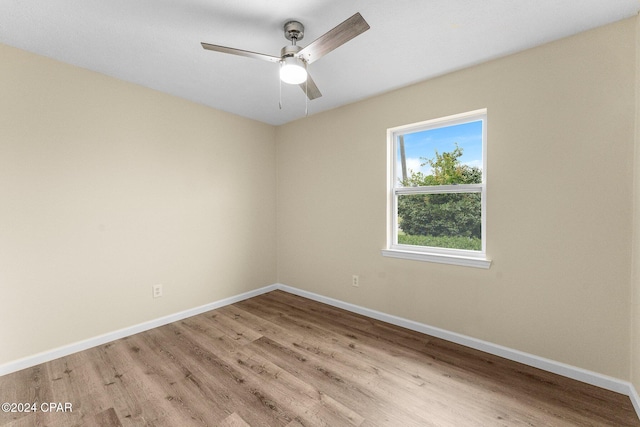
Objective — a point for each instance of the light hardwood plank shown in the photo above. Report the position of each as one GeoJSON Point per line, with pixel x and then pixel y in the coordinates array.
{"type": "Point", "coordinates": [233, 420]}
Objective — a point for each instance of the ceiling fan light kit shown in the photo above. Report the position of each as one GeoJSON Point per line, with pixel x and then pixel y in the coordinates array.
{"type": "Point", "coordinates": [293, 69]}
{"type": "Point", "coordinates": [293, 59]}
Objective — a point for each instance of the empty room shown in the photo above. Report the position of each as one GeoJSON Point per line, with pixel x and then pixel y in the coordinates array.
{"type": "Point", "coordinates": [320, 213]}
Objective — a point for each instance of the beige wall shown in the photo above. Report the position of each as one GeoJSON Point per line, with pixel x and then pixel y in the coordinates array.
{"type": "Point", "coordinates": [560, 164]}
{"type": "Point", "coordinates": [635, 284]}
{"type": "Point", "coordinates": [107, 188]}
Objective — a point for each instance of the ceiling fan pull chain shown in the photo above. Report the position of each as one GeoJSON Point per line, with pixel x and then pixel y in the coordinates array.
{"type": "Point", "coordinates": [280, 100]}
{"type": "Point", "coordinates": [306, 97]}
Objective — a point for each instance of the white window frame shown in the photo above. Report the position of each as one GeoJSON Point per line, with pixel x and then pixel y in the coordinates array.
{"type": "Point", "coordinates": [462, 257]}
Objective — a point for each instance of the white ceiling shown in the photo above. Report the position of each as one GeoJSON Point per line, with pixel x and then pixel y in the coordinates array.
{"type": "Point", "coordinates": [156, 43]}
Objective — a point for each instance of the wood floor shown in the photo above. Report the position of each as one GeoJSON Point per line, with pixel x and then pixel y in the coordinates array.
{"type": "Point", "coordinates": [281, 360]}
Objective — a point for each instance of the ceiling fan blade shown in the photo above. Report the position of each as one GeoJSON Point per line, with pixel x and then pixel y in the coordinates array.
{"type": "Point", "coordinates": [334, 38]}
{"type": "Point", "coordinates": [240, 52]}
{"type": "Point", "coordinates": [310, 88]}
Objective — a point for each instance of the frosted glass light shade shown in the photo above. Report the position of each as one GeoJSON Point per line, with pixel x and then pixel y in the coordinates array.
{"type": "Point", "coordinates": [293, 71]}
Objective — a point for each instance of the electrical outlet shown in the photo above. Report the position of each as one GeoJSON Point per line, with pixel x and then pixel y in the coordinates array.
{"type": "Point", "coordinates": [157, 291]}
{"type": "Point", "coordinates": [355, 280]}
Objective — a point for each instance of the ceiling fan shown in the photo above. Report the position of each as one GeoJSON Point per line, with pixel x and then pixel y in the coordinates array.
{"type": "Point", "coordinates": [294, 59]}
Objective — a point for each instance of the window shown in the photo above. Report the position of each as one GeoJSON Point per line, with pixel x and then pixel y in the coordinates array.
{"type": "Point", "coordinates": [437, 190]}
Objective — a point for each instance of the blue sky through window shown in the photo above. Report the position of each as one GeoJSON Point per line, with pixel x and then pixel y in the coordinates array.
{"type": "Point", "coordinates": [423, 144]}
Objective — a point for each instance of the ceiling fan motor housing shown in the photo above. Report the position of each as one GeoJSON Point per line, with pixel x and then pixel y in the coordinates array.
{"type": "Point", "coordinates": [289, 50]}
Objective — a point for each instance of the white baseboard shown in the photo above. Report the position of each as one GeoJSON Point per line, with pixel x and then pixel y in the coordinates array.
{"type": "Point", "coordinates": [583, 375]}
{"type": "Point", "coordinates": [56, 353]}
{"type": "Point", "coordinates": [635, 399]}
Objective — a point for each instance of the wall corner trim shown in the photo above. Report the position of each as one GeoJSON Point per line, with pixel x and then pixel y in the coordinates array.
{"type": "Point", "coordinates": [635, 398]}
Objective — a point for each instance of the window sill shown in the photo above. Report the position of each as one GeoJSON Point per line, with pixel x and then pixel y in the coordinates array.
{"type": "Point", "coordinates": [438, 258]}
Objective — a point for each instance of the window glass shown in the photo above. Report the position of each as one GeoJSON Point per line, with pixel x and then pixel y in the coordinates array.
{"type": "Point", "coordinates": [448, 220]}
{"type": "Point", "coordinates": [440, 156]}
